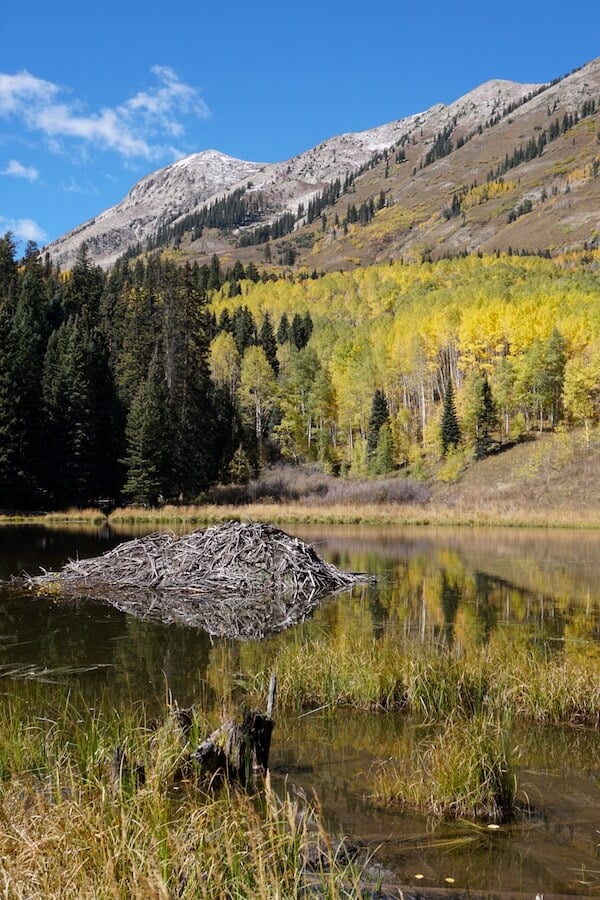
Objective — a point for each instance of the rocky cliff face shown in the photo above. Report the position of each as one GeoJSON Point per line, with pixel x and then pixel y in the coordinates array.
{"type": "Point", "coordinates": [165, 196]}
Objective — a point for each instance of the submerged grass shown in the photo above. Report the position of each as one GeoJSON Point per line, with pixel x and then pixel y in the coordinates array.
{"type": "Point", "coordinates": [73, 826]}
{"type": "Point", "coordinates": [463, 772]}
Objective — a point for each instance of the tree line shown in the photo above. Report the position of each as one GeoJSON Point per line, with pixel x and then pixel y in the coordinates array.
{"type": "Point", "coordinates": [106, 388]}
{"type": "Point", "coordinates": [152, 382]}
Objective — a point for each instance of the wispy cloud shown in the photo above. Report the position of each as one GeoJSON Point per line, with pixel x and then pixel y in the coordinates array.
{"type": "Point", "coordinates": [18, 170]}
{"type": "Point", "coordinates": [23, 229]}
{"type": "Point", "coordinates": [141, 127]}
{"type": "Point", "coordinates": [70, 186]}
{"type": "Point", "coordinates": [23, 88]}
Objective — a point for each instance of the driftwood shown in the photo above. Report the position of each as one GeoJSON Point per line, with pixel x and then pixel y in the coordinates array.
{"type": "Point", "coordinates": [234, 580]}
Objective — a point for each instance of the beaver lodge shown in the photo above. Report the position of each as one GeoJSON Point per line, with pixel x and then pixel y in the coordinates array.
{"type": "Point", "coordinates": [232, 580]}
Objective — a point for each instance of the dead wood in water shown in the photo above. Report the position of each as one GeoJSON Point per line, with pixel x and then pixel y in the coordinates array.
{"type": "Point", "coordinates": [240, 751]}
{"type": "Point", "coordinates": [234, 580]}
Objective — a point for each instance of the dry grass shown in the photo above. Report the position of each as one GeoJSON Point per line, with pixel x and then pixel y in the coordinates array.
{"type": "Point", "coordinates": [485, 513]}
{"type": "Point", "coordinates": [71, 516]}
{"type": "Point", "coordinates": [480, 513]}
{"type": "Point", "coordinates": [72, 828]}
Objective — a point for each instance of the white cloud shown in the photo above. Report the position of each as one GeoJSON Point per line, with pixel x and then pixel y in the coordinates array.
{"type": "Point", "coordinates": [156, 108]}
{"type": "Point", "coordinates": [130, 129]}
{"type": "Point", "coordinates": [18, 170]}
{"type": "Point", "coordinates": [23, 229]}
{"type": "Point", "coordinates": [18, 90]}
{"type": "Point", "coordinates": [73, 187]}
{"type": "Point", "coordinates": [106, 129]}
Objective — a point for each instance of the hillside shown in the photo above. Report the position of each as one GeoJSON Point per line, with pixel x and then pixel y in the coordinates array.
{"type": "Point", "coordinates": [507, 165]}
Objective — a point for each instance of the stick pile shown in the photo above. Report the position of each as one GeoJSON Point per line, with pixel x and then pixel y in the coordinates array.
{"type": "Point", "coordinates": [235, 580]}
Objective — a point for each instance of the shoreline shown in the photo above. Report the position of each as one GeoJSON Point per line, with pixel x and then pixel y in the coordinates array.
{"type": "Point", "coordinates": [299, 513]}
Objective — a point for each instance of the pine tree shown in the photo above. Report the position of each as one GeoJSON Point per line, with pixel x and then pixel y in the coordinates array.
{"type": "Point", "coordinates": [244, 329]}
{"type": "Point", "coordinates": [266, 340]}
{"type": "Point", "coordinates": [300, 330]}
{"type": "Point", "coordinates": [383, 461]}
{"type": "Point", "coordinates": [149, 439]}
{"type": "Point", "coordinates": [189, 385]}
{"type": "Point", "coordinates": [449, 428]}
{"type": "Point", "coordinates": [26, 347]}
{"type": "Point", "coordinates": [8, 265]}
{"type": "Point", "coordinates": [480, 415]}
{"type": "Point", "coordinates": [12, 480]}
{"type": "Point", "coordinates": [488, 420]}
{"type": "Point", "coordinates": [214, 276]}
{"type": "Point", "coordinates": [283, 332]}
{"type": "Point", "coordinates": [379, 416]}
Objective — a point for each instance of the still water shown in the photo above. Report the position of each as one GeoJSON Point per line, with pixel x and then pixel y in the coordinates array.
{"type": "Point", "coordinates": [455, 586]}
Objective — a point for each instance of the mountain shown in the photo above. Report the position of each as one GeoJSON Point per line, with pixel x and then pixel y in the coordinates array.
{"type": "Point", "coordinates": [506, 166]}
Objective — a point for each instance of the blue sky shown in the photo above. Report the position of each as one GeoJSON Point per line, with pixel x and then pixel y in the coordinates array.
{"type": "Point", "coordinates": [94, 96]}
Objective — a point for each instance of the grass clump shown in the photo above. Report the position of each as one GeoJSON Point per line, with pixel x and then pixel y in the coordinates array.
{"type": "Point", "coordinates": [363, 673]}
{"type": "Point", "coordinates": [463, 772]}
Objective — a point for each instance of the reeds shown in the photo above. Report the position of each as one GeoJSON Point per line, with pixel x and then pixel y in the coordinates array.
{"type": "Point", "coordinates": [435, 682]}
{"type": "Point", "coordinates": [72, 824]}
{"type": "Point", "coordinates": [463, 772]}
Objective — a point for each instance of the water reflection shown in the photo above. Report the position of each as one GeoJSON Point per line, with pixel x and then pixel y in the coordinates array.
{"type": "Point", "coordinates": [451, 587]}
{"type": "Point", "coordinates": [456, 588]}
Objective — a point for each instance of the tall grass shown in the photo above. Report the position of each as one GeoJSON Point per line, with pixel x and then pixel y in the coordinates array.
{"type": "Point", "coordinates": [73, 825]}
{"type": "Point", "coordinates": [464, 772]}
{"type": "Point", "coordinates": [435, 682]}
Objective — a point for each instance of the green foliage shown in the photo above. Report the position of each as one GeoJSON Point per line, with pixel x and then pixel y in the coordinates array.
{"type": "Point", "coordinates": [449, 428]}
{"type": "Point", "coordinates": [379, 416]}
{"type": "Point", "coordinates": [520, 334]}
{"type": "Point", "coordinates": [453, 466]}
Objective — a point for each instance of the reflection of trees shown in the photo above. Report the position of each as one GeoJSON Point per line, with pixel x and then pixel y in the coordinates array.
{"type": "Point", "coordinates": [149, 658]}
{"type": "Point", "coordinates": [449, 600]}
{"type": "Point", "coordinates": [428, 591]}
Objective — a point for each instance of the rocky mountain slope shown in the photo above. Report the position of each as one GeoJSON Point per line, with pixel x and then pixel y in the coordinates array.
{"type": "Point", "coordinates": [507, 165]}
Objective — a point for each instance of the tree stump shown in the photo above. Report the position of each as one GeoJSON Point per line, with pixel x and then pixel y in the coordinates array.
{"type": "Point", "coordinates": [240, 751]}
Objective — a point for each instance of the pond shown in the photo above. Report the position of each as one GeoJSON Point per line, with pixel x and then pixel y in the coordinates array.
{"type": "Point", "coordinates": [456, 587]}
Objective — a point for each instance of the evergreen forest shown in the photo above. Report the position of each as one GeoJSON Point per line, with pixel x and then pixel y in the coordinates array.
{"type": "Point", "coordinates": [154, 381]}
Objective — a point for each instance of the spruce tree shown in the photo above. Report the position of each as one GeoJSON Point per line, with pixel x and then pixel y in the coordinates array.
{"type": "Point", "coordinates": [383, 461]}
{"type": "Point", "coordinates": [266, 340]}
{"type": "Point", "coordinates": [488, 420]}
{"type": "Point", "coordinates": [378, 417]}
{"type": "Point", "coordinates": [244, 329]}
{"type": "Point", "coordinates": [12, 481]}
{"type": "Point", "coordinates": [300, 330]}
{"type": "Point", "coordinates": [190, 388]}
{"type": "Point", "coordinates": [27, 342]}
{"type": "Point", "coordinates": [283, 332]}
{"type": "Point", "coordinates": [148, 457]}
{"type": "Point", "coordinates": [449, 428]}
